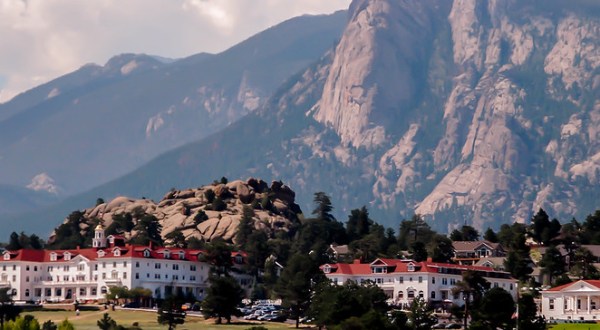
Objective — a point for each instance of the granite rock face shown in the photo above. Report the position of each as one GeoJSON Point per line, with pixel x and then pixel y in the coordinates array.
{"type": "Point", "coordinates": [471, 111]}
{"type": "Point", "coordinates": [178, 208]}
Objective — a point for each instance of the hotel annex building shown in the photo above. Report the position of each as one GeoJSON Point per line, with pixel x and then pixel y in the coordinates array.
{"type": "Point", "coordinates": [87, 274]}
{"type": "Point", "coordinates": [403, 280]}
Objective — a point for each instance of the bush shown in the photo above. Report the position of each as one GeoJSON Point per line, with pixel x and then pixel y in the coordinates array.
{"type": "Point", "coordinates": [209, 195]}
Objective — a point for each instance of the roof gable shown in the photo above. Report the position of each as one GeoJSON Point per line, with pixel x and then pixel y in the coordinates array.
{"type": "Point", "coordinates": [578, 286]}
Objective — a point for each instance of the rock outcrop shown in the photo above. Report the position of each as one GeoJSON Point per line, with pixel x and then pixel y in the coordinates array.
{"type": "Point", "coordinates": [274, 209]}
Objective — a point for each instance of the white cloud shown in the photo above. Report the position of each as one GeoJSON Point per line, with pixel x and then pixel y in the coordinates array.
{"type": "Point", "coordinates": [43, 39]}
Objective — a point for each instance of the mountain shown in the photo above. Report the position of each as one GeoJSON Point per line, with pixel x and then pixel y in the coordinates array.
{"type": "Point", "coordinates": [100, 122]}
{"type": "Point", "coordinates": [463, 111]}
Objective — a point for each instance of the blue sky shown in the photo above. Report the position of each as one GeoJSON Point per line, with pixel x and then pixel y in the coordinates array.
{"type": "Point", "coordinates": [43, 39]}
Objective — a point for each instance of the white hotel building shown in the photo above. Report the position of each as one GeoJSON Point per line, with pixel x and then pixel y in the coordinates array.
{"type": "Point", "coordinates": [87, 274]}
{"type": "Point", "coordinates": [403, 280]}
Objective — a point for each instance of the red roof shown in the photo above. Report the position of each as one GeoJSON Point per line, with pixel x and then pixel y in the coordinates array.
{"type": "Point", "coordinates": [595, 283]}
{"type": "Point", "coordinates": [400, 266]}
{"type": "Point", "coordinates": [130, 251]}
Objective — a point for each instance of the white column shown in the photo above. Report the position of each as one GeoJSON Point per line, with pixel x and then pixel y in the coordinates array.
{"type": "Point", "coordinates": [588, 304]}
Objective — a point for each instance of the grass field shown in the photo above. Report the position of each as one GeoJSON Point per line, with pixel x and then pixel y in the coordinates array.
{"type": "Point", "coordinates": [147, 320]}
{"type": "Point", "coordinates": [575, 326]}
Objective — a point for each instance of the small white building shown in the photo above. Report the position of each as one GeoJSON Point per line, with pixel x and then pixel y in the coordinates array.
{"type": "Point", "coordinates": [579, 300]}
{"type": "Point", "coordinates": [403, 280]}
{"type": "Point", "coordinates": [87, 274]}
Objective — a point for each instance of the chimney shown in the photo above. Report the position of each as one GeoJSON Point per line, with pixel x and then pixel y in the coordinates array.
{"type": "Point", "coordinates": [356, 261]}
{"type": "Point", "coordinates": [429, 259]}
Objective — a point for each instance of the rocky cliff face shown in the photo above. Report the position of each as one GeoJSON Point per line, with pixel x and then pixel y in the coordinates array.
{"type": "Point", "coordinates": [483, 118]}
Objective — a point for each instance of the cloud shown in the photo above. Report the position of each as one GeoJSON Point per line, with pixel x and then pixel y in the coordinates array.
{"type": "Point", "coordinates": [43, 39]}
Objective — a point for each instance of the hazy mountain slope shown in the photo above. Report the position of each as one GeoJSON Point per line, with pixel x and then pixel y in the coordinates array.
{"type": "Point", "coordinates": [101, 122]}
{"type": "Point", "coordinates": [463, 111]}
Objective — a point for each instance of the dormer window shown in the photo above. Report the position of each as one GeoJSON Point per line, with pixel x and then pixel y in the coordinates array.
{"type": "Point", "coordinates": [181, 255]}
{"type": "Point", "coordinates": [411, 267]}
{"type": "Point", "coordinates": [239, 259]}
{"type": "Point", "coordinates": [6, 256]}
{"type": "Point", "coordinates": [116, 252]}
{"type": "Point", "coordinates": [167, 254]}
{"type": "Point", "coordinates": [67, 255]}
{"type": "Point", "coordinates": [146, 253]}
{"type": "Point", "coordinates": [379, 269]}
{"type": "Point", "coordinates": [101, 253]}
{"type": "Point", "coordinates": [327, 269]}
{"type": "Point", "coordinates": [53, 256]}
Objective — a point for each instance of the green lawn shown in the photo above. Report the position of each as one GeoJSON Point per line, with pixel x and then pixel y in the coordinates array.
{"type": "Point", "coordinates": [575, 326]}
{"type": "Point", "coordinates": [147, 320]}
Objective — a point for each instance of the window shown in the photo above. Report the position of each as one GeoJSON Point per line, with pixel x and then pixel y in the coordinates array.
{"type": "Point", "coordinates": [400, 294]}
{"type": "Point", "coordinates": [157, 276]}
{"type": "Point", "coordinates": [14, 278]}
{"type": "Point", "coordinates": [156, 265]}
{"type": "Point", "coordinates": [410, 294]}
{"type": "Point", "coordinates": [103, 264]}
{"type": "Point", "coordinates": [27, 268]}
{"type": "Point", "coordinates": [4, 267]}
{"type": "Point", "coordinates": [67, 256]}
{"type": "Point", "coordinates": [124, 275]}
{"type": "Point", "coordinates": [95, 277]}
{"type": "Point", "coordinates": [452, 281]}
{"type": "Point", "coordinates": [411, 267]}
{"type": "Point", "coordinates": [26, 278]}
{"type": "Point", "coordinates": [175, 267]}
{"type": "Point", "coordinates": [58, 292]}
{"type": "Point", "coordinates": [146, 253]}
{"type": "Point", "coordinates": [81, 267]}
{"type": "Point", "coordinates": [167, 254]}
{"type": "Point", "coordinates": [137, 276]}
{"type": "Point", "coordinates": [7, 256]}
{"type": "Point", "coordinates": [432, 294]}
{"type": "Point", "coordinates": [401, 279]}
{"type": "Point", "coordinates": [26, 292]}
{"type": "Point", "coordinates": [433, 280]}
{"type": "Point", "coordinates": [124, 263]}
{"type": "Point", "coordinates": [37, 292]}
{"type": "Point", "coordinates": [80, 277]}
{"type": "Point", "coordinates": [192, 277]}
{"type": "Point", "coordinates": [50, 268]}
{"type": "Point", "coordinates": [444, 281]}
{"type": "Point", "coordinates": [147, 275]}
{"type": "Point", "coordinates": [420, 294]}
{"type": "Point", "coordinates": [65, 278]}
{"type": "Point", "coordinates": [82, 292]}
{"type": "Point", "coordinates": [66, 268]}
{"type": "Point", "coordinates": [35, 268]}
{"type": "Point", "coordinates": [103, 276]}
{"type": "Point", "coordinates": [94, 291]}
{"type": "Point", "coordinates": [137, 264]}
{"type": "Point", "coordinates": [53, 256]}
{"type": "Point", "coordinates": [116, 252]}
{"type": "Point", "coordinates": [103, 290]}
{"type": "Point", "coordinates": [96, 267]}
{"type": "Point", "coordinates": [420, 279]}
{"type": "Point", "coordinates": [379, 280]}
{"type": "Point", "coordinates": [14, 267]}
{"type": "Point", "coordinates": [551, 304]}
{"type": "Point", "coordinates": [193, 268]}
{"type": "Point", "coordinates": [114, 264]}
{"type": "Point", "coordinates": [181, 255]}
{"type": "Point", "coordinates": [48, 293]}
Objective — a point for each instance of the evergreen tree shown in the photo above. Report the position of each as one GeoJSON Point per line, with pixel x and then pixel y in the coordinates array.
{"type": "Point", "coordinates": [527, 317]}
{"type": "Point", "coordinates": [296, 283]}
{"type": "Point", "coordinates": [414, 230]}
{"type": "Point", "coordinates": [222, 298]}
{"type": "Point", "coordinates": [419, 252]}
{"type": "Point", "coordinates": [518, 262]}
{"type": "Point", "coordinates": [332, 304]}
{"type": "Point", "coordinates": [258, 251]}
{"type": "Point", "coordinates": [466, 233]}
{"type": "Point", "coordinates": [148, 230]}
{"type": "Point", "coordinates": [323, 207]}
{"type": "Point", "coordinates": [106, 322]}
{"type": "Point", "coordinates": [218, 254]}
{"type": "Point", "coordinates": [200, 217]}
{"type": "Point", "coordinates": [496, 309]}
{"type": "Point", "coordinates": [472, 287]}
{"type": "Point", "coordinates": [358, 224]}
{"type": "Point", "coordinates": [552, 263]}
{"type": "Point", "coordinates": [245, 227]}
{"type": "Point", "coordinates": [440, 249]}
{"type": "Point", "coordinates": [583, 264]}
{"type": "Point", "coordinates": [421, 316]}
{"type": "Point", "coordinates": [490, 236]}
{"type": "Point", "coordinates": [14, 243]}
{"type": "Point", "coordinates": [170, 313]}
{"type": "Point", "coordinates": [176, 239]}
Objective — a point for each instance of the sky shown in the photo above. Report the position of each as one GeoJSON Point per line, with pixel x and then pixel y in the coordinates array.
{"type": "Point", "coordinates": [43, 39]}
